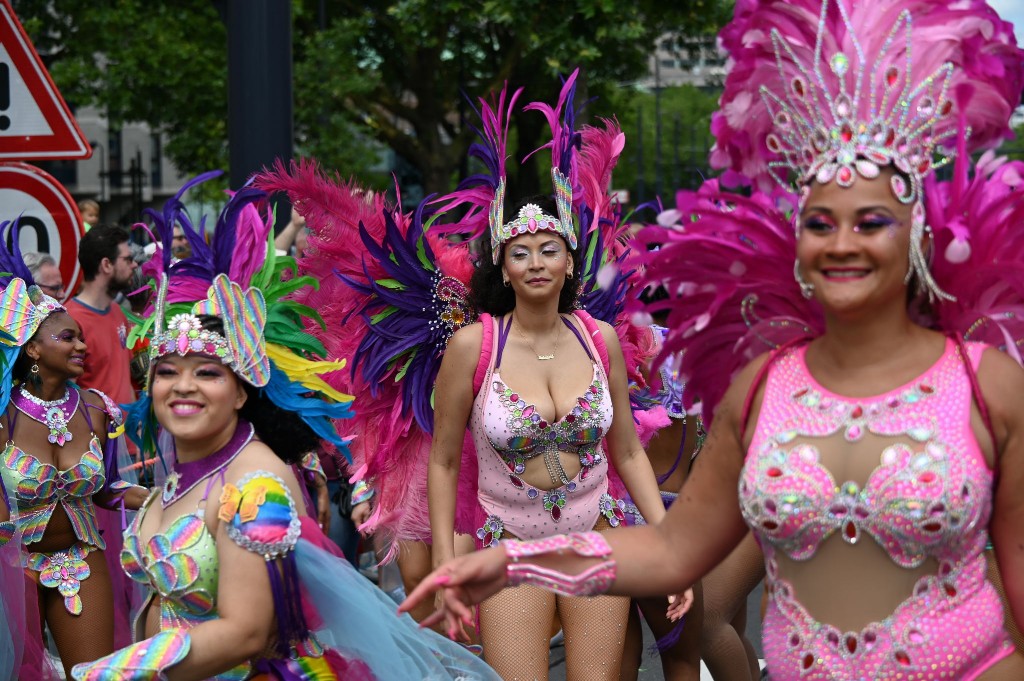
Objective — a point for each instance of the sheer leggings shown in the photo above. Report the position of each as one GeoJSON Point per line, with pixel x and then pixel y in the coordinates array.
{"type": "Point", "coordinates": [515, 629]}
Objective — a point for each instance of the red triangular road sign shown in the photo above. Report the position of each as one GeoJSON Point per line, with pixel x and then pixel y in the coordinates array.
{"type": "Point", "coordinates": [35, 123]}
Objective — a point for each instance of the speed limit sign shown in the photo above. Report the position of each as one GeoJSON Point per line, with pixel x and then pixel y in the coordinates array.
{"type": "Point", "coordinates": [47, 216]}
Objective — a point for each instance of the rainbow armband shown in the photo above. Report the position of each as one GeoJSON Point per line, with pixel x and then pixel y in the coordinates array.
{"type": "Point", "coordinates": [143, 661]}
{"type": "Point", "coordinates": [592, 581]}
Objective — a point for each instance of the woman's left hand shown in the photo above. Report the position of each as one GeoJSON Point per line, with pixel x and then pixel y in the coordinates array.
{"type": "Point", "coordinates": [135, 497]}
{"type": "Point", "coordinates": [679, 605]}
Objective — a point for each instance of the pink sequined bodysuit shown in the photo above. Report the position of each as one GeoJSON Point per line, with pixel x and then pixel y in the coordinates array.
{"type": "Point", "coordinates": [929, 498]}
{"type": "Point", "coordinates": [507, 431]}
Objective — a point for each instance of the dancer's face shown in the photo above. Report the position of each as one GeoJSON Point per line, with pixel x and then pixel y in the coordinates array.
{"type": "Point", "coordinates": [58, 347]}
{"type": "Point", "coordinates": [195, 397]}
{"type": "Point", "coordinates": [854, 244]}
{"type": "Point", "coordinates": [536, 265]}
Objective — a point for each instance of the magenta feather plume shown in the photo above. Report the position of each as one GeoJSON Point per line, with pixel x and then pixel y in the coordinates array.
{"type": "Point", "coordinates": [356, 243]}
{"type": "Point", "coordinates": [599, 153]}
{"type": "Point", "coordinates": [475, 193]}
{"type": "Point", "coordinates": [987, 78]}
{"type": "Point", "coordinates": [732, 296]}
{"type": "Point", "coordinates": [979, 253]}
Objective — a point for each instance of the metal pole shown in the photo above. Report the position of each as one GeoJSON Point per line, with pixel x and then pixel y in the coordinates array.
{"type": "Point", "coordinates": [260, 127]}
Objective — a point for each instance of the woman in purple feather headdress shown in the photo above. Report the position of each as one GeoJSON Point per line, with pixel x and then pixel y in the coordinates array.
{"type": "Point", "coordinates": [878, 444]}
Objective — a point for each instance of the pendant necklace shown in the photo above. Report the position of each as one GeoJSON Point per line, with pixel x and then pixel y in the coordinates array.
{"type": "Point", "coordinates": [186, 475]}
{"type": "Point", "coordinates": [54, 414]}
{"type": "Point", "coordinates": [558, 337]}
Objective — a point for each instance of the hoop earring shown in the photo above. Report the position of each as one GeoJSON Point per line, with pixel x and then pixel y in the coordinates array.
{"type": "Point", "coordinates": [806, 289]}
{"type": "Point", "coordinates": [506, 282]}
{"type": "Point", "coordinates": [34, 369]}
{"type": "Point", "coordinates": [569, 275]}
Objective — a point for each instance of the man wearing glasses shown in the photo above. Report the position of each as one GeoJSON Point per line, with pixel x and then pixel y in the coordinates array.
{"type": "Point", "coordinates": [107, 268]}
{"type": "Point", "coordinates": [45, 273]}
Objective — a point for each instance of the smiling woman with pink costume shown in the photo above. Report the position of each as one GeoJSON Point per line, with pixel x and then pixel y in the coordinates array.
{"type": "Point", "coordinates": [879, 440]}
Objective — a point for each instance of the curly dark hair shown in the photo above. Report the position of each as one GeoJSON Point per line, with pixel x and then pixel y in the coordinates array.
{"type": "Point", "coordinates": [282, 430]}
{"type": "Point", "coordinates": [487, 290]}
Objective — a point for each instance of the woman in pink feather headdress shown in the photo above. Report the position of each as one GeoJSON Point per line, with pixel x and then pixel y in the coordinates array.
{"type": "Point", "coordinates": [856, 334]}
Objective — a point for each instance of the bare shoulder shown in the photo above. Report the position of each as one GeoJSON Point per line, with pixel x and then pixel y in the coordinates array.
{"type": "Point", "coordinates": [1001, 381]}
{"type": "Point", "coordinates": [256, 456]}
{"type": "Point", "coordinates": [93, 398]}
{"type": "Point", "coordinates": [731, 408]}
{"type": "Point", "coordinates": [608, 333]}
{"type": "Point", "coordinates": [465, 344]}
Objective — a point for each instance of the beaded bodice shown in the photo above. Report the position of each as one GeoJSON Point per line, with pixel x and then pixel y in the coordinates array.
{"type": "Point", "coordinates": [517, 431]}
{"type": "Point", "coordinates": [40, 487]}
{"type": "Point", "coordinates": [928, 496]}
{"type": "Point", "coordinates": [179, 564]}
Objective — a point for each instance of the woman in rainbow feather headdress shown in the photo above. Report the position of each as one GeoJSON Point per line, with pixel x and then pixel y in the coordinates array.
{"type": "Point", "coordinates": [240, 582]}
{"type": "Point", "coordinates": [60, 478]}
{"type": "Point", "coordinates": [880, 440]}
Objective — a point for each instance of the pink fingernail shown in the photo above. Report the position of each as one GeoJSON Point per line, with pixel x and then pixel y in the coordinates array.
{"type": "Point", "coordinates": [442, 579]}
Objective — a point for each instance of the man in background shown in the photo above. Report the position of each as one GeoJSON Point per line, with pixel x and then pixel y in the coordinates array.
{"type": "Point", "coordinates": [45, 273]}
{"type": "Point", "coordinates": [107, 268]}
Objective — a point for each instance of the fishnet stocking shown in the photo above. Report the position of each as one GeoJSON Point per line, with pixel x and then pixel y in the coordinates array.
{"type": "Point", "coordinates": [595, 630]}
{"type": "Point", "coordinates": [515, 627]}
{"type": "Point", "coordinates": [89, 636]}
{"type": "Point", "coordinates": [725, 648]}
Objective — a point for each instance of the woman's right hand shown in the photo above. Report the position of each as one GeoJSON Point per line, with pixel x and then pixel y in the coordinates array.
{"type": "Point", "coordinates": [463, 582]}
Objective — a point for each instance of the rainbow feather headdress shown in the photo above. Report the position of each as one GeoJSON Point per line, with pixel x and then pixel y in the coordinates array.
{"type": "Point", "coordinates": [859, 89]}
{"type": "Point", "coordinates": [239, 278]}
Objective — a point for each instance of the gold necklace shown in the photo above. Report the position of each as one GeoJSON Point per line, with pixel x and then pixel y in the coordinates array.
{"type": "Point", "coordinates": [558, 337]}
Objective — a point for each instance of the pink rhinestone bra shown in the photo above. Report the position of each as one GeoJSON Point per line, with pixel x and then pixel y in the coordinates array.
{"type": "Point", "coordinates": [930, 499]}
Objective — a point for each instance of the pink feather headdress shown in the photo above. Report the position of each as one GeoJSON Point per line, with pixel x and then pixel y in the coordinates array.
{"type": "Point", "coordinates": [839, 89]}
{"type": "Point", "coordinates": [719, 253]}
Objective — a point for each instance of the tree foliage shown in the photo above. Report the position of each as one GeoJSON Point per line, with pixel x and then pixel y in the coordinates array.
{"type": "Point", "coordinates": [370, 73]}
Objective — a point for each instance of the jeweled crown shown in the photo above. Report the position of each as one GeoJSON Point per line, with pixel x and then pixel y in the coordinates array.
{"type": "Point", "coordinates": [531, 219]}
{"type": "Point", "coordinates": [880, 115]}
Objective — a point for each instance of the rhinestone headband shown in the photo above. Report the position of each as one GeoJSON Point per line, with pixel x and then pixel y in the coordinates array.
{"type": "Point", "coordinates": [185, 335]}
{"type": "Point", "coordinates": [879, 116]}
{"type": "Point", "coordinates": [22, 309]}
{"type": "Point", "coordinates": [242, 346]}
{"type": "Point", "coordinates": [531, 218]}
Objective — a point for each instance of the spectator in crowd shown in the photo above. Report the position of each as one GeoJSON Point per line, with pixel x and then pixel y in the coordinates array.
{"type": "Point", "coordinates": [293, 235]}
{"type": "Point", "coordinates": [180, 247]}
{"type": "Point", "coordinates": [45, 273]}
{"type": "Point", "coordinates": [107, 267]}
{"type": "Point", "coordinates": [90, 211]}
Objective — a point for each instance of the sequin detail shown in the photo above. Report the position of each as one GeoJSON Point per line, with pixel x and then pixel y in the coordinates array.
{"type": "Point", "coordinates": [261, 515]}
{"type": "Point", "coordinates": [64, 571]}
{"type": "Point", "coordinates": [491, 532]}
{"type": "Point", "coordinates": [39, 487]}
{"type": "Point", "coordinates": [929, 497]}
